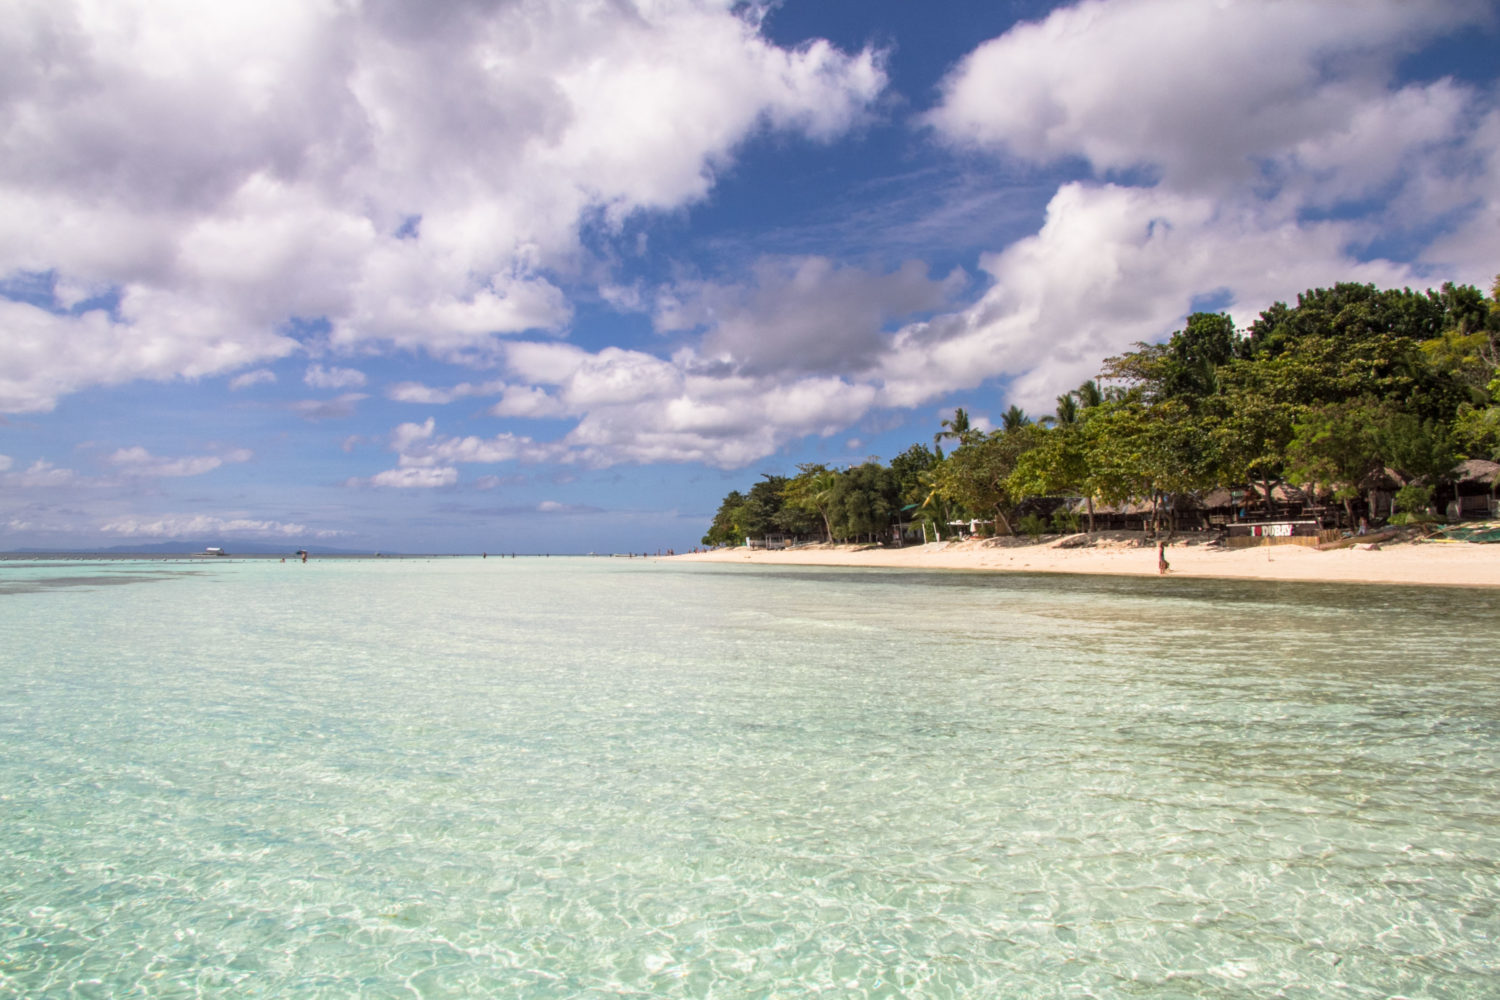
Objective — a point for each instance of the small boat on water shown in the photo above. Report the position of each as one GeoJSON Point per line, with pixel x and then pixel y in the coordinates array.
{"type": "Point", "coordinates": [210, 552]}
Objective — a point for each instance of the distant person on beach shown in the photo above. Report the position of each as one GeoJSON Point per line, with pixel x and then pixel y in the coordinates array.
{"type": "Point", "coordinates": [1161, 559]}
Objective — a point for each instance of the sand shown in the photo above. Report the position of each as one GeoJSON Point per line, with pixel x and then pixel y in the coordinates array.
{"type": "Point", "coordinates": [1425, 563]}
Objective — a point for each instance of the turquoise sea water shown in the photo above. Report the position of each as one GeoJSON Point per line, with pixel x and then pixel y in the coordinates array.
{"type": "Point", "coordinates": [547, 778]}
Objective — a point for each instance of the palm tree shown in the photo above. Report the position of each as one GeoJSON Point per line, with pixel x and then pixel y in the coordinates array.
{"type": "Point", "coordinates": [1067, 410]}
{"type": "Point", "coordinates": [812, 490]}
{"type": "Point", "coordinates": [1080, 400]}
{"type": "Point", "coordinates": [958, 428]}
{"type": "Point", "coordinates": [933, 508]}
{"type": "Point", "coordinates": [1014, 419]}
{"type": "Point", "coordinates": [1088, 395]}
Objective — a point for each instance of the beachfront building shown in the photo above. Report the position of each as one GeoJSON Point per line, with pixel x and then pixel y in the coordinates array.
{"type": "Point", "coordinates": [1474, 490]}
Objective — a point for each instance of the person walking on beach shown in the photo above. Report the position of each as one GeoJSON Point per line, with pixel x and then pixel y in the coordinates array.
{"type": "Point", "coordinates": [1161, 559]}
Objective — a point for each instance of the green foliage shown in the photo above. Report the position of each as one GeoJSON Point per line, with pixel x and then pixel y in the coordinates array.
{"type": "Point", "coordinates": [1346, 382]}
{"type": "Point", "coordinates": [976, 476]}
{"type": "Point", "coordinates": [1415, 447]}
{"type": "Point", "coordinates": [957, 429]}
{"type": "Point", "coordinates": [1065, 522]}
{"type": "Point", "coordinates": [1476, 431]}
{"type": "Point", "coordinates": [1413, 499]}
{"type": "Point", "coordinates": [1033, 525]}
{"type": "Point", "coordinates": [1013, 419]}
{"type": "Point", "coordinates": [1189, 372]}
{"type": "Point", "coordinates": [1056, 465]}
{"type": "Point", "coordinates": [727, 524]}
{"type": "Point", "coordinates": [1134, 450]}
{"type": "Point", "coordinates": [908, 468]}
{"type": "Point", "coordinates": [1336, 445]}
{"type": "Point", "coordinates": [863, 502]}
{"type": "Point", "coordinates": [1399, 520]}
{"type": "Point", "coordinates": [811, 492]}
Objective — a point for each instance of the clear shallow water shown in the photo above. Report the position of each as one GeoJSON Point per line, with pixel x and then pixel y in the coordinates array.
{"type": "Point", "coordinates": [604, 778]}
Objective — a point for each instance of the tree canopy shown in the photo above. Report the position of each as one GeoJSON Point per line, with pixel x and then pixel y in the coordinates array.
{"type": "Point", "coordinates": [1348, 384]}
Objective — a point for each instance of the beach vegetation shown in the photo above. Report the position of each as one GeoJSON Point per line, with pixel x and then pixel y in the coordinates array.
{"type": "Point", "coordinates": [1347, 395]}
{"type": "Point", "coordinates": [1034, 525]}
{"type": "Point", "coordinates": [1413, 498]}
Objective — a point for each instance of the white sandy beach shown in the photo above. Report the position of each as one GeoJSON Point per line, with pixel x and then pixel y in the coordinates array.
{"type": "Point", "coordinates": [1427, 563]}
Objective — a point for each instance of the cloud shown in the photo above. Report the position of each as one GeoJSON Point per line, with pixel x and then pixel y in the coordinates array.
{"type": "Point", "coordinates": [1240, 199]}
{"type": "Point", "coordinates": [153, 334]}
{"type": "Point", "coordinates": [805, 315]}
{"type": "Point", "coordinates": [556, 507]}
{"type": "Point", "coordinates": [1200, 92]}
{"type": "Point", "coordinates": [416, 392]}
{"type": "Point", "coordinates": [420, 446]}
{"type": "Point", "coordinates": [412, 478]}
{"type": "Point", "coordinates": [5, 463]}
{"type": "Point", "coordinates": [1227, 142]}
{"type": "Point", "coordinates": [256, 377]}
{"type": "Point", "coordinates": [137, 461]}
{"type": "Point", "coordinates": [328, 409]}
{"type": "Point", "coordinates": [190, 525]}
{"type": "Point", "coordinates": [1111, 266]}
{"type": "Point", "coordinates": [333, 378]}
{"type": "Point", "coordinates": [42, 474]}
{"type": "Point", "coordinates": [528, 401]}
{"type": "Point", "coordinates": [410, 175]}
{"type": "Point", "coordinates": [636, 408]}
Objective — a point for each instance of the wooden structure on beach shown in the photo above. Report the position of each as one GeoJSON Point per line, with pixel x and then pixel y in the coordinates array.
{"type": "Point", "coordinates": [1474, 486]}
{"type": "Point", "coordinates": [1304, 532]}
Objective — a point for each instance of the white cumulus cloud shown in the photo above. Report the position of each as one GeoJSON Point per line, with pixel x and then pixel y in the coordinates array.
{"type": "Point", "coordinates": [333, 378]}
{"type": "Point", "coordinates": [1222, 138]}
{"type": "Point", "coordinates": [259, 376]}
{"type": "Point", "coordinates": [137, 461]}
{"type": "Point", "coordinates": [406, 174]}
{"type": "Point", "coordinates": [190, 525]}
{"type": "Point", "coordinates": [425, 478]}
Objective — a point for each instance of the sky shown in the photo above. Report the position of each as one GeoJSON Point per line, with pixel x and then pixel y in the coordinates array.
{"type": "Point", "coordinates": [557, 275]}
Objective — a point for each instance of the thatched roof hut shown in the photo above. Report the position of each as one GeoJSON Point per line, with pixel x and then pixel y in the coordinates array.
{"type": "Point", "coordinates": [1477, 470]}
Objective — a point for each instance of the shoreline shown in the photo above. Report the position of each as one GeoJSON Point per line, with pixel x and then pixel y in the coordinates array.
{"type": "Point", "coordinates": [1412, 563]}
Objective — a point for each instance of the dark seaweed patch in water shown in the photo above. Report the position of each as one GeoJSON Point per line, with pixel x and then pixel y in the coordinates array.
{"type": "Point", "coordinates": [8, 587]}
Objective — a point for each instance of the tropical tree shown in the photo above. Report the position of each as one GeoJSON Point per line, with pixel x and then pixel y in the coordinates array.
{"type": "Point", "coordinates": [1056, 466]}
{"type": "Point", "coordinates": [1136, 451]}
{"type": "Point", "coordinates": [1089, 395]}
{"type": "Point", "coordinates": [977, 475]}
{"type": "Point", "coordinates": [1068, 413]}
{"type": "Point", "coordinates": [811, 491]}
{"type": "Point", "coordinates": [863, 501]}
{"type": "Point", "coordinates": [931, 504]}
{"type": "Point", "coordinates": [727, 527]}
{"type": "Point", "coordinates": [958, 429]}
{"type": "Point", "coordinates": [1337, 446]}
{"type": "Point", "coordinates": [1013, 419]}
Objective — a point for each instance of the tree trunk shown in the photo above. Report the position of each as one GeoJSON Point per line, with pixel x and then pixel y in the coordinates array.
{"type": "Point", "coordinates": [1000, 515]}
{"type": "Point", "coordinates": [1091, 514]}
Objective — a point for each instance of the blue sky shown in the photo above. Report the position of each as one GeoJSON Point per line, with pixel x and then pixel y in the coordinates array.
{"type": "Point", "coordinates": [555, 277]}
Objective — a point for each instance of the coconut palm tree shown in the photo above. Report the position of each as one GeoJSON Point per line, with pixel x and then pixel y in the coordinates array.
{"type": "Point", "coordinates": [1014, 419]}
{"type": "Point", "coordinates": [934, 507]}
{"type": "Point", "coordinates": [958, 429]}
{"type": "Point", "coordinates": [1088, 395]}
{"type": "Point", "coordinates": [1067, 410]}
